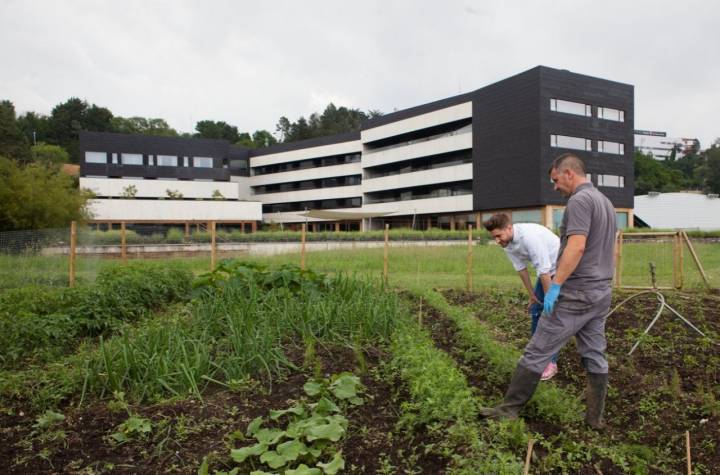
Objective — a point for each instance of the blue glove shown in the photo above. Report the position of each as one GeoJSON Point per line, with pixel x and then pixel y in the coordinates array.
{"type": "Point", "coordinates": [550, 298]}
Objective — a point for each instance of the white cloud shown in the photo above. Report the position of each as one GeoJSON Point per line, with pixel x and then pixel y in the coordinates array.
{"type": "Point", "coordinates": [248, 63]}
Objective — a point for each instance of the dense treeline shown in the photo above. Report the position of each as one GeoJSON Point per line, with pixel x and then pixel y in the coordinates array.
{"type": "Point", "coordinates": [698, 170]}
{"type": "Point", "coordinates": [62, 127]}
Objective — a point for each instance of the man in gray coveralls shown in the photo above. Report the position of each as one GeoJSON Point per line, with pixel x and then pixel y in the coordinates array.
{"type": "Point", "coordinates": [579, 297]}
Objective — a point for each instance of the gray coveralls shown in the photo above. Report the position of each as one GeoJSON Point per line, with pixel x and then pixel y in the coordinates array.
{"type": "Point", "coordinates": [584, 299]}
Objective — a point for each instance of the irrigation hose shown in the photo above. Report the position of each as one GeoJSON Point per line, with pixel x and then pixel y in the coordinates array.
{"type": "Point", "coordinates": [663, 305]}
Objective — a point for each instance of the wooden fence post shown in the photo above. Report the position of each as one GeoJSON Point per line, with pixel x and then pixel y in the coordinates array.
{"type": "Point", "coordinates": [687, 445]}
{"type": "Point", "coordinates": [123, 243]}
{"type": "Point", "coordinates": [470, 259]}
{"type": "Point", "coordinates": [385, 255]}
{"type": "Point", "coordinates": [213, 246]}
{"type": "Point", "coordinates": [302, 246]}
{"type": "Point", "coordinates": [73, 249]}
{"type": "Point", "coordinates": [618, 261]}
{"type": "Point", "coordinates": [677, 261]}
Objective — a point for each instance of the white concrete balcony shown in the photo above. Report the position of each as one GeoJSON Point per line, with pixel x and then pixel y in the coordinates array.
{"type": "Point", "coordinates": [303, 154]}
{"type": "Point", "coordinates": [174, 210]}
{"type": "Point", "coordinates": [117, 187]}
{"type": "Point", "coordinates": [438, 117]}
{"type": "Point", "coordinates": [448, 143]}
{"type": "Point", "coordinates": [352, 191]}
{"type": "Point", "coordinates": [307, 174]}
{"type": "Point", "coordinates": [445, 204]}
{"type": "Point", "coordinates": [452, 173]}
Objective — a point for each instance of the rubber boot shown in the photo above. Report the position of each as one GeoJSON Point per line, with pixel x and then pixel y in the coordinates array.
{"type": "Point", "coordinates": [596, 392]}
{"type": "Point", "coordinates": [522, 386]}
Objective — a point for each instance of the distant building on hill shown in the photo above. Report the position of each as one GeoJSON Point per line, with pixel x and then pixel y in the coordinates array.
{"type": "Point", "coordinates": [663, 147]}
{"type": "Point", "coordinates": [678, 210]}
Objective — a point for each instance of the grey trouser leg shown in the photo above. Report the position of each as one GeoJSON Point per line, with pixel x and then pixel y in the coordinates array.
{"type": "Point", "coordinates": [577, 312]}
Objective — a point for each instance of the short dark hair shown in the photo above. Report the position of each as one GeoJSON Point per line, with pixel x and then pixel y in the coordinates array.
{"type": "Point", "coordinates": [568, 161]}
{"type": "Point", "coordinates": [497, 221]}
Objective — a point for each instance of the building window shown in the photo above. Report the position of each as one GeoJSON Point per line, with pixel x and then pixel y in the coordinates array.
{"type": "Point", "coordinates": [186, 162]}
{"type": "Point", "coordinates": [95, 157]}
{"type": "Point", "coordinates": [611, 114]}
{"type": "Point", "coordinates": [202, 162]}
{"type": "Point", "coordinates": [611, 147]}
{"type": "Point", "coordinates": [166, 161]}
{"type": "Point", "coordinates": [575, 143]}
{"type": "Point", "coordinates": [612, 181]}
{"type": "Point", "coordinates": [557, 217]}
{"type": "Point", "coordinates": [527, 216]}
{"type": "Point", "coordinates": [131, 158]}
{"type": "Point", "coordinates": [621, 218]}
{"type": "Point", "coordinates": [151, 160]}
{"type": "Point", "coordinates": [568, 107]}
{"type": "Point", "coordinates": [115, 158]}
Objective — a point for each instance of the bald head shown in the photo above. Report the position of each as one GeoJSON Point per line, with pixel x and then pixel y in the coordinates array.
{"type": "Point", "coordinates": [567, 173]}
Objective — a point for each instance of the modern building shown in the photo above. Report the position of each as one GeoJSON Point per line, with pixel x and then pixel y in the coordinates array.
{"type": "Point", "coordinates": [448, 163]}
{"type": "Point", "coordinates": [662, 147]}
{"type": "Point", "coordinates": [670, 211]}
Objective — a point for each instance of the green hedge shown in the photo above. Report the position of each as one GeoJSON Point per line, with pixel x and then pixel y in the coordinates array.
{"type": "Point", "coordinates": [42, 321]}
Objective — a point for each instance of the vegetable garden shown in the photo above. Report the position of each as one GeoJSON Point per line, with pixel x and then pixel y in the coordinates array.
{"type": "Point", "coordinates": [257, 368]}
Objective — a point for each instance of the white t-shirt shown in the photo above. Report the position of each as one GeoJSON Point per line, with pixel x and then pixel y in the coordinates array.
{"type": "Point", "coordinates": [535, 244]}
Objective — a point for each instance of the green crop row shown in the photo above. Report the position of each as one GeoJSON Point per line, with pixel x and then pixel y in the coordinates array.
{"type": "Point", "coordinates": [41, 322]}
{"type": "Point", "coordinates": [242, 321]}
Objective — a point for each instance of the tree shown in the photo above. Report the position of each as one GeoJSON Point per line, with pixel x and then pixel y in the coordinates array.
{"type": "Point", "coordinates": [49, 155]}
{"type": "Point", "coordinates": [333, 120]}
{"type": "Point", "coordinates": [217, 195]}
{"type": "Point", "coordinates": [263, 138]}
{"type": "Point", "coordinates": [142, 126]}
{"type": "Point", "coordinates": [711, 167]}
{"type": "Point", "coordinates": [653, 175]}
{"type": "Point", "coordinates": [35, 127]}
{"type": "Point", "coordinates": [69, 118]}
{"type": "Point", "coordinates": [13, 143]}
{"type": "Point", "coordinates": [38, 197]}
{"type": "Point", "coordinates": [129, 192]}
{"type": "Point", "coordinates": [209, 129]}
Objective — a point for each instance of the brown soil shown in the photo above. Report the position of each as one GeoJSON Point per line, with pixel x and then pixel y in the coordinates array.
{"type": "Point", "coordinates": [186, 431]}
{"type": "Point", "coordinates": [670, 384]}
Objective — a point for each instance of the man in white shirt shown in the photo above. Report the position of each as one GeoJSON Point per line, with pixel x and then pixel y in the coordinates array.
{"type": "Point", "coordinates": [529, 243]}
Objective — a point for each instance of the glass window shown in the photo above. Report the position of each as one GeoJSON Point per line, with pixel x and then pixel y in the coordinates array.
{"type": "Point", "coordinates": [203, 162]}
{"type": "Point", "coordinates": [568, 107]}
{"type": "Point", "coordinates": [621, 218]}
{"type": "Point", "coordinates": [611, 147]}
{"type": "Point", "coordinates": [166, 161]}
{"type": "Point", "coordinates": [131, 158]}
{"type": "Point", "coordinates": [575, 143]}
{"type": "Point", "coordinates": [613, 181]}
{"type": "Point", "coordinates": [527, 216]}
{"type": "Point", "coordinates": [95, 157]}
{"type": "Point", "coordinates": [151, 160]}
{"type": "Point", "coordinates": [186, 162]}
{"type": "Point", "coordinates": [611, 114]}
{"type": "Point", "coordinates": [115, 158]}
{"type": "Point", "coordinates": [557, 217]}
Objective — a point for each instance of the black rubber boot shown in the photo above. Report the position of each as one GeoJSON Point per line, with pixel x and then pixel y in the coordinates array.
{"type": "Point", "coordinates": [596, 392]}
{"type": "Point", "coordinates": [522, 386]}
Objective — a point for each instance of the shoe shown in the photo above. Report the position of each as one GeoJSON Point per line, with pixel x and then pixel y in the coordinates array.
{"type": "Point", "coordinates": [596, 393]}
{"type": "Point", "coordinates": [550, 370]}
{"type": "Point", "coordinates": [522, 386]}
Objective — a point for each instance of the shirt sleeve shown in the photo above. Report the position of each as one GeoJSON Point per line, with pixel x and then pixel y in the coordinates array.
{"type": "Point", "coordinates": [579, 214]}
{"type": "Point", "coordinates": [517, 263]}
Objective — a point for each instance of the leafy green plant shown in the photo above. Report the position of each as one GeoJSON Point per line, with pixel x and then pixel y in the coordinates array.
{"type": "Point", "coordinates": [133, 428]}
{"type": "Point", "coordinates": [306, 444]}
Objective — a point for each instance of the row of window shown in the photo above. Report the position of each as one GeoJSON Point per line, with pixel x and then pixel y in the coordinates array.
{"type": "Point", "coordinates": [337, 203]}
{"type": "Point", "coordinates": [308, 163]}
{"type": "Point", "coordinates": [420, 164]}
{"type": "Point", "coordinates": [152, 160]}
{"type": "Point", "coordinates": [581, 143]}
{"type": "Point", "coordinates": [577, 108]}
{"type": "Point", "coordinates": [420, 192]}
{"type": "Point", "coordinates": [308, 184]}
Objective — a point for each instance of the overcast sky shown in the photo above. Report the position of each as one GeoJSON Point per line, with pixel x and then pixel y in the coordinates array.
{"type": "Point", "coordinates": [248, 63]}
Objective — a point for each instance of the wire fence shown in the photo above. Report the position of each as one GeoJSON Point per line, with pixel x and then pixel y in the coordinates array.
{"type": "Point", "coordinates": [435, 258]}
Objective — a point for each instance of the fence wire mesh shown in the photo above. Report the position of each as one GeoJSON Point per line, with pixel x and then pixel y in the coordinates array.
{"type": "Point", "coordinates": [434, 258]}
